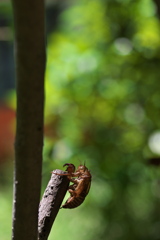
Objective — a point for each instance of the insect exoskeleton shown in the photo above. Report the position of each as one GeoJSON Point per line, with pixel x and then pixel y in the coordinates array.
{"type": "Point", "coordinates": [81, 179]}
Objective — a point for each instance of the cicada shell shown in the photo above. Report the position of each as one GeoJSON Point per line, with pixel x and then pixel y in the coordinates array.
{"type": "Point", "coordinates": [81, 179]}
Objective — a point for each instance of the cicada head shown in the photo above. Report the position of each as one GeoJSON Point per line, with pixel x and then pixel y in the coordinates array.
{"type": "Point", "coordinates": [82, 169]}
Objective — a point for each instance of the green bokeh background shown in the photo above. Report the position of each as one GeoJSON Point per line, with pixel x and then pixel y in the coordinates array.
{"type": "Point", "coordinates": [103, 108]}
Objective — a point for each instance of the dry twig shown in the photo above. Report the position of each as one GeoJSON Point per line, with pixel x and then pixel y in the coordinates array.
{"type": "Point", "coordinates": [50, 203]}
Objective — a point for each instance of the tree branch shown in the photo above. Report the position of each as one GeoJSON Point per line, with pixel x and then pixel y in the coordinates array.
{"type": "Point", "coordinates": [30, 67]}
{"type": "Point", "coordinates": [157, 3]}
{"type": "Point", "coordinates": [50, 203]}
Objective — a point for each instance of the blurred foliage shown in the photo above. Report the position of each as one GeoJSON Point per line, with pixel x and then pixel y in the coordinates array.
{"type": "Point", "coordinates": [102, 108]}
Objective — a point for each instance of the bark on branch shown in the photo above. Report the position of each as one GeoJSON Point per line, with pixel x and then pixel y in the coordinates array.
{"type": "Point", "coordinates": [50, 203]}
{"type": "Point", "coordinates": [30, 67]}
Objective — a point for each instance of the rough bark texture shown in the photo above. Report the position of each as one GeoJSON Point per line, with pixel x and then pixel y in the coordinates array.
{"type": "Point", "coordinates": [30, 67]}
{"type": "Point", "coordinates": [50, 203]}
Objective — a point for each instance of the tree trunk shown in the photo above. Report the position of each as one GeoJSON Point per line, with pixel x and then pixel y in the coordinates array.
{"type": "Point", "coordinates": [30, 67]}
